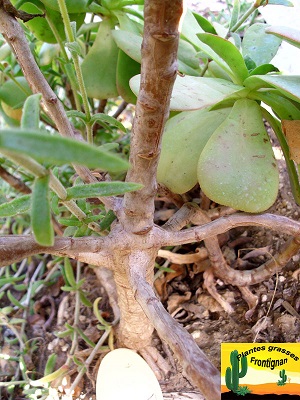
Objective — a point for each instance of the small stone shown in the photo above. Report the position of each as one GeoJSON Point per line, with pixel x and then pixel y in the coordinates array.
{"type": "Point", "coordinates": [264, 298]}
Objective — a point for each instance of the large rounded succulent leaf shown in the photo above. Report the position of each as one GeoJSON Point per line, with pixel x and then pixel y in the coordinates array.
{"type": "Point", "coordinates": [237, 167]}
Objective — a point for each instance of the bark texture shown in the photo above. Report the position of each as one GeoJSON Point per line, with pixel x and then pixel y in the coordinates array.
{"type": "Point", "coordinates": [158, 73]}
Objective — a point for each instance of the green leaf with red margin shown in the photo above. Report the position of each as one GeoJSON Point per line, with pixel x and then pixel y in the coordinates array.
{"type": "Point", "coordinates": [290, 35]}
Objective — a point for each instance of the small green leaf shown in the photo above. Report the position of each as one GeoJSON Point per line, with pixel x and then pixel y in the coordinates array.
{"type": "Point", "coordinates": [69, 274]}
{"type": "Point", "coordinates": [60, 373]}
{"type": "Point", "coordinates": [100, 117]}
{"type": "Point", "coordinates": [229, 54]}
{"type": "Point", "coordinates": [11, 280]}
{"type": "Point", "coordinates": [250, 64]}
{"type": "Point", "coordinates": [204, 23]}
{"type": "Point", "coordinates": [31, 112]}
{"type": "Point", "coordinates": [69, 222]}
{"type": "Point", "coordinates": [6, 310]}
{"type": "Point", "coordinates": [40, 212]}
{"type": "Point", "coordinates": [101, 189]}
{"type": "Point", "coordinates": [14, 301]}
{"type": "Point", "coordinates": [59, 150]}
{"type": "Point", "coordinates": [84, 300]}
{"type": "Point", "coordinates": [50, 364]}
{"type": "Point", "coordinates": [107, 220]}
{"type": "Point", "coordinates": [83, 230]}
{"type": "Point", "coordinates": [74, 48]}
{"type": "Point", "coordinates": [16, 206]}
{"type": "Point", "coordinates": [264, 69]}
{"type": "Point", "coordinates": [55, 204]}
{"type": "Point", "coordinates": [259, 46]}
{"type": "Point", "coordinates": [98, 313]}
{"type": "Point", "coordinates": [76, 114]}
{"type": "Point", "coordinates": [64, 334]}
{"type": "Point", "coordinates": [84, 337]}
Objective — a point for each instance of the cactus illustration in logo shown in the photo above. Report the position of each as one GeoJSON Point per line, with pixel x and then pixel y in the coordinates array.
{"type": "Point", "coordinates": [282, 381]}
{"type": "Point", "coordinates": [232, 375]}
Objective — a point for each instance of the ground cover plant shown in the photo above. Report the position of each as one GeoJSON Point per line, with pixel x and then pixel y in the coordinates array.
{"type": "Point", "coordinates": [84, 188]}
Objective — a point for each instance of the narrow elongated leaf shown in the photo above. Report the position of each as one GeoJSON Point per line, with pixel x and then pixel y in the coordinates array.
{"type": "Point", "coordinates": [229, 54]}
{"type": "Point", "coordinates": [76, 114]}
{"type": "Point", "coordinates": [40, 212]}
{"type": "Point", "coordinates": [60, 373]}
{"type": "Point", "coordinates": [50, 364]}
{"type": "Point", "coordinates": [237, 167]}
{"type": "Point", "coordinates": [259, 46]}
{"type": "Point", "coordinates": [31, 112]}
{"type": "Point", "coordinates": [100, 117]}
{"type": "Point", "coordinates": [59, 150]}
{"type": "Point", "coordinates": [16, 206]}
{"type": "Point", "coordinates": [234, 13]}
{"type": "Point", "coordinates": [281, 3]}
{"type": "Point", "coordinates": [290, 35]}
{"type": "Point", "coordinates": [14, 301]}
{"type": "Point", "coordinates": [288, 85]}
{"type": "Point", "coordinates": [101, 189]}
{"type": "Point", "coordinates": [204, 23]}
{"type": "Point", "coordinates": [264, 69]}
{"type": "Point", "coordinates": [69, 273]}
{"type": "Point", "coordinates": [193, 93]}
{"type": "Point", "coordinates": [107, 220]}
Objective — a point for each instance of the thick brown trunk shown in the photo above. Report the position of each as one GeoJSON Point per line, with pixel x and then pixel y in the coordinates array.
{"type": "Point", "coordinates": [135, 329]}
